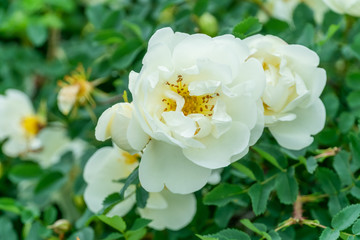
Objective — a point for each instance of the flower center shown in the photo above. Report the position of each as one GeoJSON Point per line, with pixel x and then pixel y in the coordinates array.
{"type": "Point", "coordinates": [32, 125]}
{"type": "Point", "coordinates": [130, 159]}
{"type": "Point", "coordinates": [203, 104]}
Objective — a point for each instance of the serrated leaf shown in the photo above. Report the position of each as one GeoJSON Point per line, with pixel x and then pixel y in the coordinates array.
{"type": "Point", "coordinates": [329, 234]}
{"type": "Point", "coordinates": [227, 234]}
{"type": "Point", "coordinates": [110, 201]}
{"type": "Point", "coordinates": [222, 194]}
{"type": "Point", "coordinates": [287, 187]}
{"type": "Point", "coordinates": [141, 197]}
{"type": "Point", "coordinates": [116, 222]}
{"type": "Point", "coordinates": [356, 227]}
{"type": "Point", "coordinates": [346, 217]}
{"type": "Point", "coordinates": [259, 195]}
{"type": "Point", "coordinates": [253, 228]}
{"type": "Point", "coordinates": [328, 180]}
{"type": "Point", "coordinates": [342, 167]}
{"type": "Point", "coordinates": [247, 27]}
{"type": "Point", "coordinates": [311, 164]}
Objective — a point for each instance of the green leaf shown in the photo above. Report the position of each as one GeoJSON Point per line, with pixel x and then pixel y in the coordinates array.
{"type": "Point", "coordinates": [353, 80]}
{"type": "Point", "coordinates": [50, 215]}
{"type": "Point", "coordinates": [330, 32]}
{"type": "Point", "coordinates": [113, 236]}
{"type": "Point", "coordinates": [259, 195]}
{"type": "Point", "coordinates": [133, 178]}
{"type": "Point", "coordinates": [85, 233]}
{"type": "Point", "coordinates": [287, 187]}
{"type": "Point", "coordinates": [49, 183]}
{"type": "Point", "coordinates": [268, 157]}
{"type": "Point", "coordinates": [37, 34]}
{"type": "Point", "coordinates": [245, 170]}
{"type": "Point", "coordinates": [7, 230]}
{"type": "Point", "coordinates": [110, 201]}
{"type": "Point", "coordinates": [356, 227]}
{"type": "Point", "coordinates": [10, 205]}
{"type": "Point", "coordinates": [227, 234]}
{"type": "Point", "coordinates": [307, 36]}
{"type": "Point", "coordinates": [253, 228]}
{"type": "Point", "coordinates": [332, 103]}
{"type": "Point", "coordinates": [342, 167]}
{"type": "Point", "coordinates": [353, 99]}
{"type": "Point", "coordinates": [247, 27]}
{"type": "Point", "coordinates": [329, 234]}
{"type": "Point", "coordinates": [139, 223]}
{"type": "Point", "coordinates": [336, 203]}
{"type": "Point", "coordinates": [355, 147]}
{"type": "Point", "coordinates": [311, 164]}
{"type": "Point", "coordinates": [116, 222]}
{"type": "Point", "coordinates": [223, 215]}
{"type": "Point", "coordinates": [141, 197]}
{"type": "Point", "coordinates": [328, 180]}
{"type": "Point", "coordinates": [222, 194]}
{"type": "Point", "coordinates": [346, 121]}
{"type": "Point", "coordinates": [25, 171]}
{"type": "Point", "coordinates": [346, 217]}
{"type": "Point", "coordinates": [274, 235]}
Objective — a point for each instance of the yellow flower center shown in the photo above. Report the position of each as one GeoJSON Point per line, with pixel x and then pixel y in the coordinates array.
{"type": "Point", "coordinates": [203, 104]}
{"type": "Point", "coordinates": [130, 159]}
{"type": "Point", "coordinates": [32, 125]}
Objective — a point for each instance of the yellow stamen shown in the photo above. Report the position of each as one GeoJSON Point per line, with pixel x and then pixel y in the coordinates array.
{"type": "Point", "coordinates": [130, 159]}
{"type": "Point", "coordinates": [32, 125]}
{"type": "Point", "coordinates": [203, 104]}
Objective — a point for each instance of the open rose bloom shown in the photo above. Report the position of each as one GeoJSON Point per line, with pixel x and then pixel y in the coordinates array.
{"type": "Point", "coordinates": [196, 107]}
{"type": "Point", "coordinates": [292, 107]}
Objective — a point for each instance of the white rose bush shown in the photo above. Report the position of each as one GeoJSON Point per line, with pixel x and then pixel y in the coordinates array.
{"type": "Point", "coordinates": [180, 120]}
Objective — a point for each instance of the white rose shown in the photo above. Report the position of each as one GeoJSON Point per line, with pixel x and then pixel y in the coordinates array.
{"type": "Point", "coordinates": [18, 123]}
{"type": "Point", "coordinates": [292, 108]}
{"type": "Point", "coordinates": [196, 99]}
{"type": "Point", "coordinates": [351, 7]}
{"type": "Point", "coordinates": [165, 209]}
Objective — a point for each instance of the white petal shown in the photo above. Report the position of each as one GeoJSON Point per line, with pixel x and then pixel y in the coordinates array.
{"type": "Point", "coordinates": [296, 134]}
{"type": "Point", "coordinates": [220, 119]}
{"type": "Point", "coordinates": [179, 123]}
{"type": "Point", "coordinates": [179, 212]}
{"type": "Point", "coordinates": [156, 201]}
{"type": "Point", "coordinates": [103, 127]}
{"type": "Point", "coordinates": [165, 165]}
{"type": "Point", "coordinates": [67, 98]}
{"type": "Point", "coordinates": [15, 146]}
{"type": "Point", "coordinates": [218, 152]}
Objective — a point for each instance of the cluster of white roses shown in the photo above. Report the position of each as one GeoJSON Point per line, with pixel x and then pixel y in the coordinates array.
{"type": "Point", "coordinates": [198, 104]}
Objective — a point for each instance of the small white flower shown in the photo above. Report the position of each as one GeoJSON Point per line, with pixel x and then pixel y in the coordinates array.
{"type": "Point", "coordinates": [54, 143]}
{"type": "Point", "coordinates": [292, 108]}
{"type": "Point", "coordinates": [195, 108]}
{"type": "Point", "coordinates": [165, 209]}
{"type": "Point", "coordinates": [19, 123]}
{"type": "Point", "coordinates": [351, 7]}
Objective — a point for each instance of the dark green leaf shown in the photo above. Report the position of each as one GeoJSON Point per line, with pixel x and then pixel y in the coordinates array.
{"type": "Point", "coordinates": [227, 234]}
{"type": "Point", "coordinates": [356, 227]}
{"type": "Point", "coordinates": [133, 178]}
{"type": "Point", "coordinates": [85, 233]}
{"type": "Point", "coordinates": [141, 197]}
{"type": "Point", "coordinates": [287, 187]}
{"type": "Point", "coordinates": [25, 171]}
{"type": "Point", "coordinates": [7, 230]}
{"type": "Point", "coordinates": [200, 7]}
{"type": "Point", "coordinates": [50, 182]}
{"type": "Point", "coordinates": [37, 34]}
{"type": "Point", "coordinates": [328, 180]}
{"type": "Point", "coordinates": [342, 167]}
{"type": "Point", "coordinates": [259, 195]}
{"type": "Point", "coordinates": [222, 194]}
